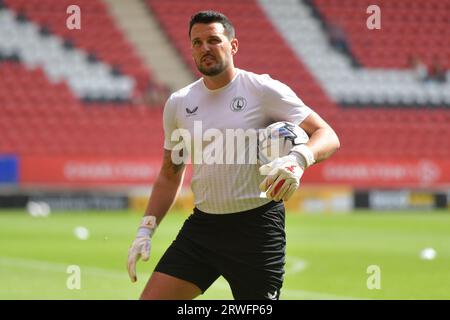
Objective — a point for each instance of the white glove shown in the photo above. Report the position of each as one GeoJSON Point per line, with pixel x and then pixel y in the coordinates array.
{"type": "Point", "coordinates": [283, 178]}
{"type": "Point", "coordinates": [140, 248]}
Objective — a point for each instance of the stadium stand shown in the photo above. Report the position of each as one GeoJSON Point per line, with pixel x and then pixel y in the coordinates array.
{"type": "Point", "coordinates": [41, 118]}
{"type": "Point", "coordinates": [99, 36]}
{"type": "Point", "coordinates": [87, 80]}
{"type": "Point", "coordinates": [384, 80]}
{"type": "Point", "coordinates": [45, 87]}
{"type": "Point", "coordinates": [410, 27]}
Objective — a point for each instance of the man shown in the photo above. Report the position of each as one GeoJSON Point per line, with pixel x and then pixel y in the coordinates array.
{"type": "Point", "coordinates": [233, 232]}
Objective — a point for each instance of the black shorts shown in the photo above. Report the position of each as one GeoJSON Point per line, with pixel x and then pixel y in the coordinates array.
{"type": "Point", "coordinates": [246, 248]}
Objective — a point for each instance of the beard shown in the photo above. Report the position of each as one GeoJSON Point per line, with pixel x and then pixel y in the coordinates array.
{"type": "Point", "coordinates": [214, 70]}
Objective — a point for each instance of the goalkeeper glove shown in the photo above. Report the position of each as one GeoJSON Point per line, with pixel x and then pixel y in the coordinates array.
{"type": "Point", "coordinates": [283, 174]}
{"type": "Point", "coordinates": [140, 248]}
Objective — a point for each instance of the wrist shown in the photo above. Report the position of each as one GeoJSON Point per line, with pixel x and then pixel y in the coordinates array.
{"type": "Point", "coordinates": [298, 159]}
{"type": "Point", "coordinates": [147, 227]}
{"type": "Point", "coordinates": [304, 155]}
{"type": "Point", "coordinates": [144, 232]}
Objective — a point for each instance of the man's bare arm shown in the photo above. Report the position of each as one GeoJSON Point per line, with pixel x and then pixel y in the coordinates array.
{"type": "Point", "coordinates": [163, 195]}
{"type": "Point", "coordinates": [166, 187]}
{"type": "Point", "coordinates": [323, 141]}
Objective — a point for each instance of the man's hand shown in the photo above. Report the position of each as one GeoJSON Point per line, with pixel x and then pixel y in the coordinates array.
{"type": "Point", "coordinates": [283, 178]}
{"type": "Point", "coordinates": [140, 248]}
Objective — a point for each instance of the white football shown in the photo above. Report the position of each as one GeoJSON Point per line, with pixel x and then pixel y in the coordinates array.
{"type": "Point", "coordinates": [278, 139]}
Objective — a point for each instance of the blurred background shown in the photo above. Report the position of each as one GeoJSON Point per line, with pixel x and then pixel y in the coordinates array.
{"type": "Point", "coordinates": [82, 91]}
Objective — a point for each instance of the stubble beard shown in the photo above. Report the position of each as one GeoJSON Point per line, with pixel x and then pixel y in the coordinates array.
{"type": "Point", "coordinates": [212, 71]}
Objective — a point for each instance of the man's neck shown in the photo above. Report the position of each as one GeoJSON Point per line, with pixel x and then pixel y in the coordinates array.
{"type": "Point", "coordinates": [220, 80]}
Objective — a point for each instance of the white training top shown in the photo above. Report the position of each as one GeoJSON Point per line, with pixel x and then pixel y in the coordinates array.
{"type": "Point", "coordinates": [249, 102]}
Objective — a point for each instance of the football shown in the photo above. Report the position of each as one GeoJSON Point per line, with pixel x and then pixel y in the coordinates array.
{"type": "Point", "coordinates": [278, 139]}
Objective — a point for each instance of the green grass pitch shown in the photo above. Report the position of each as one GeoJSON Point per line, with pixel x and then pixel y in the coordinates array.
{"type": "Point", "coordinates": [327, 255]}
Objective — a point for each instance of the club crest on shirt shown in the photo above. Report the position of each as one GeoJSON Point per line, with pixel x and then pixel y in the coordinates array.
{"type": "Point", "coordinates": [238, 104]}
{"type": "Point", "coordinates": [191, 112]}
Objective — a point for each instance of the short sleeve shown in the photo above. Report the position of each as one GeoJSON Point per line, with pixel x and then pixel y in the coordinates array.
{"type": "Point", "coordinates": [169, 123]}
{"type": "Point", "coordinates": [282, 104]}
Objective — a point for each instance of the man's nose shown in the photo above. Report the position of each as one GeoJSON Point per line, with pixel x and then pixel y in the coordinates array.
{"type": "Point", "coordinates": [205, 47]}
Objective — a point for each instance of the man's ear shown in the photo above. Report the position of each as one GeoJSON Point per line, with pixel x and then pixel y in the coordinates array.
{"type": "Point", "coordinates": [234, 46]}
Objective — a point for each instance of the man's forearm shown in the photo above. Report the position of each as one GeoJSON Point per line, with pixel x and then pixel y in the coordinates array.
{"type": "Point", "coordinates": [163, 196]}
{"type": "Point", "coordinates": [323, 143]}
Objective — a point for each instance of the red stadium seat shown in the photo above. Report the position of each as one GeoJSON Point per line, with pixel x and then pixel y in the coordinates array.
{"type": "Point", "coordinates": [99, 32]}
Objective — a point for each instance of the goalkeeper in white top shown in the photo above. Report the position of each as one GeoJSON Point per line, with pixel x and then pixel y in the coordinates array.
{"type": "Point", "coordinates": [233, 231]}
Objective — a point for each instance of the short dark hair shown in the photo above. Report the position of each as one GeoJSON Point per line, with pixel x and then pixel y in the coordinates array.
{"type": "Point", "coordinates": [210, 16]}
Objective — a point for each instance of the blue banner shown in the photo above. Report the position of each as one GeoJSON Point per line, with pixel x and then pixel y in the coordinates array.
{"type": "Point", "coordinates": [9, 172]}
